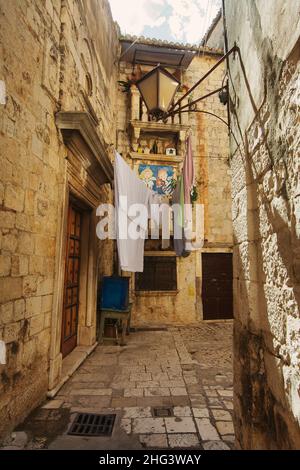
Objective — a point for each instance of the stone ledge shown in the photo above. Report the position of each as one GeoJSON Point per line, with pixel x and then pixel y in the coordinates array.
{"type": "Point", "coordinates": [156, 157]}
{"type": "Point", "coordinates": [154, 126]}
{"type": "Point", "coordinates": [70, 364]}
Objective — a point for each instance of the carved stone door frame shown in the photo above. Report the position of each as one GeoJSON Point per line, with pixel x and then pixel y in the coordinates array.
{"type": "Point", "coordinates": [87, 167]}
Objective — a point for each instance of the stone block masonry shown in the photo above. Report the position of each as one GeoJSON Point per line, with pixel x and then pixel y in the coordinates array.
{"type": "Point", "coordinates": [265, 181]}
{"type": "Point", "coordinates": [47, 63]}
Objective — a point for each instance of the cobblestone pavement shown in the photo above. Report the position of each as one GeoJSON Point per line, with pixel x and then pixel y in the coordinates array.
{"type": "Point", "coordinates": [187, 370]}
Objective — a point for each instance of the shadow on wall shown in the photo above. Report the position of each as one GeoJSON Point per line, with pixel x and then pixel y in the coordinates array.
{"type": "Point", "coordinates": [266, 329]}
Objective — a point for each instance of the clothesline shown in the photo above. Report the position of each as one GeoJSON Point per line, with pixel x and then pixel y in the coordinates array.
{"type": "Point", "coordinates": [130, 188]}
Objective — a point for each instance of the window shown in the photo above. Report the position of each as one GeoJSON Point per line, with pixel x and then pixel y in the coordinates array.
{"type": "Point", "coordinates": [159, 274]}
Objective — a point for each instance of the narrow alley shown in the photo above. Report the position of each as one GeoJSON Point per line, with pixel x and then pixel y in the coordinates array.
{"type": "Point", "coordinates": [170, 388]}
{"type": "Point", "coordinates": [149, 229]}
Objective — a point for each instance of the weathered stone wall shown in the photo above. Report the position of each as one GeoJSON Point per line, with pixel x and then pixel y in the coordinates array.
{"type": "Point", "coordinates": [210, 152]}
{"type": "Point", "coordinates": [266, 215]}
{"type": "Point", "coordinates": [152, 308]}
{"type": "Point", "coordinates": [216, 38]}
{"type": "Point", "coordinates": [54, 55]}
{"type": "Point", "coordinates": [213, 180]}
{"type": "Point", "coordinates": [89, 51]}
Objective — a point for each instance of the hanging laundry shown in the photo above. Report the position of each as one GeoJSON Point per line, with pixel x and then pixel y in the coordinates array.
{"type": "Point", "coordinates": [178, 218]}
{"type": "Point", "coordinates": [188, 182]}
{"type": "Point", "coordinates": [165, 222]}
{"type": "Point", "coordinates": [130, 190]}
{"type": "Point", "coordinates": [181, 200]}
{"type": "Point", "coordinates": [161, 218]}
{"type": "Point", "coordinates": [188, 171]}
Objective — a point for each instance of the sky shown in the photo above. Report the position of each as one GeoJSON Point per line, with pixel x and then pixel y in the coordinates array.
{"type": "Point", "coordinates": [173, 20]}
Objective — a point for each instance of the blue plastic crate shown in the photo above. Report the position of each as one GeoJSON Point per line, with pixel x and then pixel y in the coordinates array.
{"type": "Point", "coordinates": [115, 293]}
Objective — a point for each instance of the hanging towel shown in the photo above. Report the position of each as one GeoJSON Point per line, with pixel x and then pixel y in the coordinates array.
{"type": "Point", "coordinates": [188, 179]}
{"type": "Point", "coordinates": [165, 222]}
{"type": "Point", "coordinates": [127, 184]}
{"type": "Point", "coordinates": [178, 232]}
{"type": "Point", "coordinates": [161, 217]}
{"type": "Point", "coordinates": [181, 200]}
{"type": "Point", "coordinates": [188, 171]}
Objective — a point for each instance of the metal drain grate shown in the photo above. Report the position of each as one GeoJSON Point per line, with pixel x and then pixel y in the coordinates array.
{"type": "Point", "coordinates": [163, 412]}
{"type": "Point", "coordinates": [87, 424]}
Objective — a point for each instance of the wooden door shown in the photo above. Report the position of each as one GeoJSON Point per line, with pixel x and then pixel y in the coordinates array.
{"type": "Point", "coordinates": [71, 286]}
{"type": "Point", "coordinates": [217, 296]}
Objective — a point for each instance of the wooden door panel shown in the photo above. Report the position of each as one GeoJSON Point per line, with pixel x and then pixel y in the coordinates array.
{"type": "Point", "coordinates": [68, 299]}
{"type": "Point", "coordinates": [78, 224]}
{"type": "Point", "coordinates": [67, 322]}
{"type": "Point", "coordinates": [74, 318]}
{"type": "Point", "coordinates": [71, 287]}
{"type": "Point", "coordinates": [210, 307]}
{"type": "Point", "coordinates": [70, 272]}
{"type": "Point", "coordinates": [76, 248]}
{"type": "Point", "coordinates": [75, 271]}
{"type": "Point", "coordinates": [75, 295]}
{"type": "Point", "coordinates": [217, 297]}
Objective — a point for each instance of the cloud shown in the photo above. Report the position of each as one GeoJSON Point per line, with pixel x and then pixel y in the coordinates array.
{"type": "Point", "coordinates": [182, 20]}
{"type": "Point", "coordinates": [190, 19]}
{"type": "Point", "coordinates": [160, 21]}
{"type": "Point", "coordinates": [133, 16]}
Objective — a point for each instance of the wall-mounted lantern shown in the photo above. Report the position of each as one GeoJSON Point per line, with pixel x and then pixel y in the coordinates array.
{"type": "Point", "coordinates": [158, 88]}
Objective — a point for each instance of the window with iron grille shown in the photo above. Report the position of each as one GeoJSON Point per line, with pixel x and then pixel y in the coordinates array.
{"type": "Point", "coordinates": [159, 274]}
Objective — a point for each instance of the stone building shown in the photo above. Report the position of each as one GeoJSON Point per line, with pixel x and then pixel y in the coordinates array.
{"type": "Point", "coordinates": [57, 124]}
{"type": "Point", "coordinates": [265, 93]}
{"type": "Point", "coordinates": [180, 290]}
{"type": "Point", "coordinates": [62, 114]}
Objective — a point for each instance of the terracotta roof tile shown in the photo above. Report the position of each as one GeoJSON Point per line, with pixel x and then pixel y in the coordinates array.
{"type": "Point", "coordinates": [169, 44]}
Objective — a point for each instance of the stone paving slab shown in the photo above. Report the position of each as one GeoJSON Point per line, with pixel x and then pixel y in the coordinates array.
{"type": "Point", "coordinates": [184, 441]}
{"type": "Point", "coordinates": [180, 425]}
{"type": "Point", "coordinates": [148, 426]}
{"type": "Point", "coordinates": [180, 369]}
{"type": "Point", "coordinates": [154, 441]}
